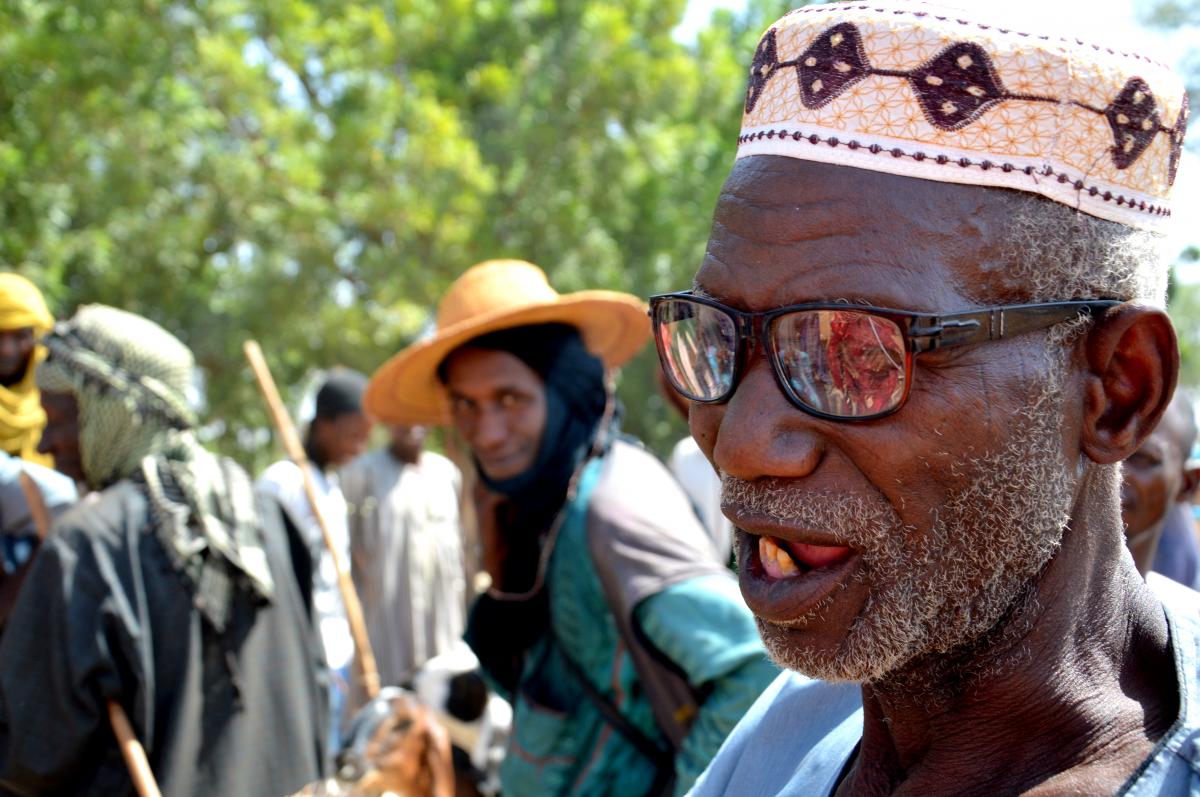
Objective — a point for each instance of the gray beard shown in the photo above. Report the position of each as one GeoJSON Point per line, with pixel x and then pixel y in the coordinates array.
{"type": "Point", "coordinates": [934, 592]}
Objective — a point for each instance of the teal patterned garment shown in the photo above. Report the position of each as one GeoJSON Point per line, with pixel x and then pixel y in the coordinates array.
{"type": "Point", "coordinates": [704, 627]}
{"type": "Point", "coordinates": [561, 743]}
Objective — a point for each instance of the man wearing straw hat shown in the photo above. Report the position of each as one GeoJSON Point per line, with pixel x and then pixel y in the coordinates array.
{"type": "Point", "coordinates": [925, 334]}
{"type": "Point", "coordinates": [610, 622]}
{"type": "Point", "coordinates": [172, 593]}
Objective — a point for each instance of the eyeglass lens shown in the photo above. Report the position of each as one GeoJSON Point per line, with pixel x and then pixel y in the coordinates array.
{"type": "Point", "coordinates": [845, 363]}
{"type": "Point", "coordinates": [841, 362]}
{"type": "Point", "coordinates": [699, 347]}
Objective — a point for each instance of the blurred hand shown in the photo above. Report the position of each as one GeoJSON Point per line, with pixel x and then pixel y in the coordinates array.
{"type": "Point", "coordinates": [410, 754]}
{"type": "Point", "coordinates": [396, 746]}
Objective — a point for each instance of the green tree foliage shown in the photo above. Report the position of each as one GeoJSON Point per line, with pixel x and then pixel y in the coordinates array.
{"type": "Point", "coordinates": [313, 174]}
{"type": "Point", "coordinates": [1174, 15]}
{"type": "Point", "coordinates": [1184, 308]}
{"type": "Point", "coordinates": [1183, 300]}
{"type": "Point", "coordinates": [1181, 15]}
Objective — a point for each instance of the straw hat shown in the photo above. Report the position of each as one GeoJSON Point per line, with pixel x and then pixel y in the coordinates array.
{"type": "Point", "coordinates": [495, 295]}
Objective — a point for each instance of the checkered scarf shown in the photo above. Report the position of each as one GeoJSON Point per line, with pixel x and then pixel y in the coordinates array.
{"type": "Point", "coordinates": [129, 377]}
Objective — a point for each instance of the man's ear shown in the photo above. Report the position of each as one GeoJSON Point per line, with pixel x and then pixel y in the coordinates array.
{"type": "Point", "coordinates": [1133, 360]}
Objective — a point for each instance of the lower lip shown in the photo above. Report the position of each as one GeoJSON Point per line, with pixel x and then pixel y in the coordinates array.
{"type": "Point", "coordinates": [781, 600]}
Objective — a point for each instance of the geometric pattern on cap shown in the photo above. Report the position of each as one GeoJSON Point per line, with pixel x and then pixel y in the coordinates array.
{"type": "Point", "coordinates": [954, 88]}
{"type": "Point", "coordinates": [908, 89]}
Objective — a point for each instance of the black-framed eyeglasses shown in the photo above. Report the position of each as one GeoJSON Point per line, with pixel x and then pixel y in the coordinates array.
{"type": "Point", "coordinates": [835, 361]}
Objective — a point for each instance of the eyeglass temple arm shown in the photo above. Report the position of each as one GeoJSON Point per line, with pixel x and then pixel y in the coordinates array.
{"type": "Point", "coordinates": [934, 332]}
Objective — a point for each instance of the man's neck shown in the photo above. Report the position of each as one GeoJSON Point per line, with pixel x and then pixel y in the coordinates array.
{"type": "Point", "coordinates": [16, 377]}
{"type": "Point", "coordinates": [404, 457]}
{"type": "Point", "coordinates": [315, 455]}
{"type": "Point", "coordinates": [1072, 691]}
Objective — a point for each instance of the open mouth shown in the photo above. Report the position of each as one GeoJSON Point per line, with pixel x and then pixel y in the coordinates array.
{"type": "Point", "coordinates": [783, 580]}
{"type": "Point", "coordinates": [781, 559]}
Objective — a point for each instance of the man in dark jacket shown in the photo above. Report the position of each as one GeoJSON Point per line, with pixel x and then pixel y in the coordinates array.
{"type": "Point", "coordinates": [173, 593]}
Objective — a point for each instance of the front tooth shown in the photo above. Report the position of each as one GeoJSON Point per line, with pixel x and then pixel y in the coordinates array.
{"type": "Point", "coordinates": [768, 551]}
{"type": "Point", "coordinates": [785, 562]}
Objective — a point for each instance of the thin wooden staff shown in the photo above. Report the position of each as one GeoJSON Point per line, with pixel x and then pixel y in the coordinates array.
{"type": "Point", "coordinates": [37, 505]}
{"type": "Point", "coordinates": [131, 749]}
{"type": "Point", "coordinates": [295, 452]}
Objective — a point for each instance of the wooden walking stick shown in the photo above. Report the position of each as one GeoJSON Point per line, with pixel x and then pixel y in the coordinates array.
{"type": "Point", "coordinates": [131, 749]}
{"type": "Point", "coordinates": [295, 452]}
{"type": "Point", "coordinates": [36, 504]}
{"type": "Point", "coordinates": [133, 752]}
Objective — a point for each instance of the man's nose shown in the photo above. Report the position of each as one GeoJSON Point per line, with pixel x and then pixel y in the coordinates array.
{"type": "Point", "coordinates": [760, 434]}
{"type": "Point", "coordinates": [491, 430]}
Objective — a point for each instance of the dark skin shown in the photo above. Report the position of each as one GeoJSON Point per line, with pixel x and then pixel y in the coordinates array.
{"type": "Point", "coordinates": [333, 442]}
{"type": "Point", "coordinates": [406, 442]}
{"type": "Point", "coordinates": [16, 347]}
{"type": "Point", "coordinates": [1090, 687]}
{"type": "Point", "coordinates": [498, 404]}
{"type": "Point", "coordinates": [60, 438]}
{"type": "Point", "coordinates": [1155, 478]}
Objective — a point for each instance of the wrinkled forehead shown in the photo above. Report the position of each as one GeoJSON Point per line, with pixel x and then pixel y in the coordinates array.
{"type": "Point", "coordinates": [788, 230]}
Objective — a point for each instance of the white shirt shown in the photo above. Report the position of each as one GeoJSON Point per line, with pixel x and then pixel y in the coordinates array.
{"type": "Point", "coordinates": [703, 486]}
{"type": "Point", "coordinates": [406, 543]}
{"type": "Point", "coordinates": [285, 483]}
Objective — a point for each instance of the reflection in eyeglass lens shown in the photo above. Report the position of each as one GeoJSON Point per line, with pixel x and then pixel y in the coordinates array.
{"type": "Point", "coordinates": [699, 346]}
{"type": "Point", "coordinates": [842, 362]}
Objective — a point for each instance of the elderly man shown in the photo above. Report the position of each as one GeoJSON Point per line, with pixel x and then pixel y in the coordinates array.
{"type": "Point", "coordinates": [610, 622]}
{"type": "Point", "coordinates": [171, 593]}
{"type": "Point", "coordinates": [23, 319]}
{"type": "Point", "coordinates": [1156, 480]}
{"type": "Point", "coordinates": [918, 347]}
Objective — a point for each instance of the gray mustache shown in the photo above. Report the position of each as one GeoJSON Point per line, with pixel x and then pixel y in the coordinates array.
{"type": "Point", "coordinates": [849, 518]}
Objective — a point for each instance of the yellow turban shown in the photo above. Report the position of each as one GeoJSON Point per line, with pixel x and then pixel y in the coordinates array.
{"type": "Point", "coordinates": [22, 305]}
{"type": "Point", "coordinates": [21, 415]}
